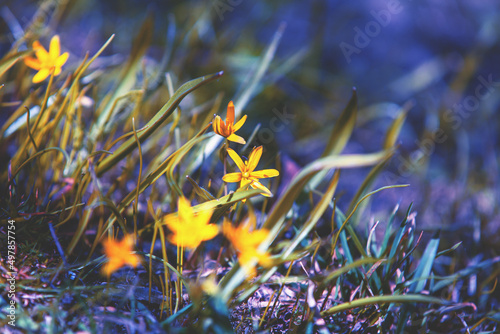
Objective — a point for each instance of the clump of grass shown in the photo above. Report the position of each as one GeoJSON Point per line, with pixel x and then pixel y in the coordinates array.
{"type": "Point", "coordinates": [96, 165]}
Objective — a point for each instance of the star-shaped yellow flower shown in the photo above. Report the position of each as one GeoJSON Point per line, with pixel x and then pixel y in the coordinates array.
{"type": "Point", "coordinates": [246, 244]}
{"type": "Point", "coordinates": [190, 229]}
{"type": "Point", "coordinates": [247, 175]}
{"type": "Point", "coordinates": [46, 62]}
{"type": "Point", "coordinates": [119, 254]}
{"type": "Point", "coordinates": [228, 128]}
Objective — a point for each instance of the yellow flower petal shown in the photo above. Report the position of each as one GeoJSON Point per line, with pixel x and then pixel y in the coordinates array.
{"type": "Point", "coordinates": [110, 267]}
{"type": "Point", "coordinates": [34, 63]}
{"type": "Point", "coordinates": [190, 229]}
{"type": "Point", "coordinates": [230, 113]}
{"type": "Point", "coordinates": [41, 75]}
{"type": "Point", "coordinates": [258, 185]}
{"type": "Point", "coordinates": [209, 231]}
{"type": "Point", "coordinates": [254, 158]}
{"type": "Point", "coordinates": [55, 48]}
{"type": "Point", "coordinates": [172, 221]}
{"type": "Point", "coordinates": [216, 125]}
{"type": "Point", "coordinates": [185, 211]}
{"type": "Point", "coordinates": [244, 183]}
{"type": "Point", "coordinates": [246, 244]}
{"type": "Point", "coordinates": [237, 160]}
{"type": "Point", "coordinates": [228, 128]}
{"type": "Point", "coordinates": [61, 60]}
{"type": "Point", "coordinates": [265, 173]}
{"type": "Point", "coordinates": [240, 123]}
{"type": "Point", "coordinates": [40, 52]}
{"type": "Point", "coordinates": [236, 139]}
{"type": "Point", "coordinates": [232, 177]}
{"type": "Point", "coordinates": [202, 219]}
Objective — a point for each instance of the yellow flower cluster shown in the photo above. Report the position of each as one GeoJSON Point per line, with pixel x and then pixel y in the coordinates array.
{"type": "Point", "coordinates": [189, 229]}
{"type": "Point", "coordinates": [247, 175]}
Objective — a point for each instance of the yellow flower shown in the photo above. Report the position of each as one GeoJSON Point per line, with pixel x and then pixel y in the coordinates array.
{"type": "Point", "coordinates": [247, 175]}
{"type": "Point", "coordinates": [46, 62]}
{"type": "Point", "coordinates": [228, 128]}
{"type": "Point", "coordinates": [246, 242]}
{"type": "Point", "coordinates": [119, 254]}
{"type": "Point", "coordinates": [190, 229]}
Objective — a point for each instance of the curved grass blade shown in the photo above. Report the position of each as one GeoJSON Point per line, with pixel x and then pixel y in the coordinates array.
{"type": "Point", "coordinates": [339, 136]}
{"type": "Point", "coordinates": [339, 218]}
{"type": "Point", "coordinates": [343, 127]}
{"type": "Point", "coordinates": [314, 216]}
{"type": "Point", "coordinates": [391, 137]}
{"type": "Point", "coordinates": [154, 123]}
{"type": "Point", "coordinates": [358, 245]}
{"type": "Point", "coordinates": [203, 193]}
{"type": "Point", "coordinates": [343, 161]}
{"type": "Point", "coordinates": [379, 300]}
{"type": "Point", "coordinates": [127, 77]}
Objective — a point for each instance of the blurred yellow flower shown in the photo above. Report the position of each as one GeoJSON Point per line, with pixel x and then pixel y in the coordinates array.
{"type": "Point", "coordinates": [119, 254]}
{"type": "Point", "coordinates": [190, 229]}
{"type": "Point", "coordinates": [247, 175]}
{"type": "Point", "coordinates": [246, 244]}
{"type": "Point", "coordinates": [46, 62]}
{"type": "Point", "coordinates": [228, 128]}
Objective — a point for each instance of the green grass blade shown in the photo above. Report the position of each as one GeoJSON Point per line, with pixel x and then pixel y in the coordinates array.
{"type": "Point", "coordinates": [425, 266]}
{"type": "Point", "coordinates": [343, 161]}
{"type": "Point", "coordinates": [313, 218]}
{"type": "Point", "coordinates": [339, 136]}
{"type": "Point", "coordinates": [343, 127]}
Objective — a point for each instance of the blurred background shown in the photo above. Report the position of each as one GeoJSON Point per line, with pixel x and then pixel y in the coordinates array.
{"type": "Point", "coordinates": [440, 58]}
